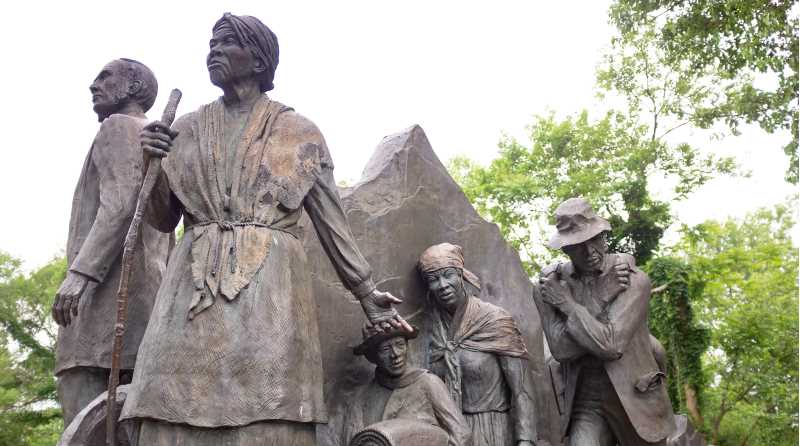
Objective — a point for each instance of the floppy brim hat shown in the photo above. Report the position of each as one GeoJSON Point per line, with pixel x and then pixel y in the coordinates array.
{"type": "Point", "coordinates": [576, 223]}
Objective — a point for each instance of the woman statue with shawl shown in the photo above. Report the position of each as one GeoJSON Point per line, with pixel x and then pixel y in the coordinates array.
{"type": "Point", "coordinates": [231, 355]}
{"type": "Point", "coordinates": [478, 351]}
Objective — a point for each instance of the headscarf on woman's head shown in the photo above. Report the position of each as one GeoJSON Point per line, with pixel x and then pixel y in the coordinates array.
{"type": "Point", "coordinates": [259, 39]}
{"type": "Point", "coordinates": [446, 255]}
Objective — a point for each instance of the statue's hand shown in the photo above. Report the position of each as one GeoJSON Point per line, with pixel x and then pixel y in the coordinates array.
{"type": "Point", "coordinates": [379, 311]}
{"type": "Point", "coordinates": [615, 282]}
{"type": "Point", "coordinates": [555, 292]}
{"type": "Point", "coordinates": [68, 297]}
{"type": "Point", "coordinates": [622, 271]}
{"type": "Point", "coordinates": [156, 139]}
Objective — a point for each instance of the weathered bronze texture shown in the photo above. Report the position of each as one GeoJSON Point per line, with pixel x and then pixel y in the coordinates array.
{"type": "Point", "coordinates": [128, 253]}
{"type": "Point", "coordinates": [102, 208]}
{"type": "Point", "coordinates": [233, 342]}
{"type": "Point", "coordinates": [404, 202]}
{"type": "Point", "coordinates": [88, 428]}
{"type": "Point", "coordinates": [400, 432]}
{"type": "Point", "coordinates": [398, 391]}
{"type": "Point", "coordinates": [477, 349]}
{"type": "Point", "coordinates": [594, 315]}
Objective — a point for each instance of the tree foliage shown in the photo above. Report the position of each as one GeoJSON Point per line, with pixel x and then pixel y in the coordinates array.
{"type": "Point", "coordinates": [673, 322]}
{"type": "Point", "coordinates": [727, 308]}
{"type": "Point", "coordinates": [28, 411]}
{"type": "Point", "coordinates": [731, 61]}
{"type": "Point", "coordinates": [610, 162]}
{"type": "Point", "coordinates": [748, 271]}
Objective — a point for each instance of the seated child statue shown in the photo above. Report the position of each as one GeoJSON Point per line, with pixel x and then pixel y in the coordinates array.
{"type": "Point", "coordinates": [400, 392]}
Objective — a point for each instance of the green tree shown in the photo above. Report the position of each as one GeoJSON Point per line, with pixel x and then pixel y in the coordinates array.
{"type": "Point", "coordinates": [29, 414]}
{"type": "Point", "coordinates": [732, 61]}
{"type": "Point", "coordinates": [748, 271]}
{"type": "Point", "coordinates": [610, 162]}
{"type": "Point", "coordinates": [673, 322]}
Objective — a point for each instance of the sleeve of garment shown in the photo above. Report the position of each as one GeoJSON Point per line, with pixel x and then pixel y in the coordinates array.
{"type": "Point", "coordinates": [118, 161]}
{"type": "Point", "coordinates": [523, 414]}
{"type": "Point", "coordinates": [325, 210]}
{"type": "Point", "coordinates": [562, 346]}
{"type": "Point", "coordinates": [447, 414]}
{"type": "Point", "coordinates": [627, 313]}
{"type": "Point", "coordinates": [163, 210]}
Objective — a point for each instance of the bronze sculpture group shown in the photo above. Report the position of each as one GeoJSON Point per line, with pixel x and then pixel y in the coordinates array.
{"type": "Point", "coordinates": [226, 330]}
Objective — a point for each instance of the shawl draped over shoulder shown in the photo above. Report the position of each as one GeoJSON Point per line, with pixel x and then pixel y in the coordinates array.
{"type": "Point", "coordinates": [228, 251]}
{"type": "Point", "coordinates": [478, 326]}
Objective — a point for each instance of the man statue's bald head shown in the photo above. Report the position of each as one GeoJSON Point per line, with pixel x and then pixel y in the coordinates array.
{"type": "Point", "coordinates": [121, 84]}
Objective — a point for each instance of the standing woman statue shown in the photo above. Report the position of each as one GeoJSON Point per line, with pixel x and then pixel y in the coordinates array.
{"type": "Point", "coordinates": [478, 351]}
{"type": "Point", "coordinates": [231, 354]}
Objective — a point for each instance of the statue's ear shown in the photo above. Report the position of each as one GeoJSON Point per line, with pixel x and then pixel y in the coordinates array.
{"type": "Point", "coordinates": [134, 87]}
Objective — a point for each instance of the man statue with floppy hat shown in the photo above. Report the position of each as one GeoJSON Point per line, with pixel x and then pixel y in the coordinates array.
{"type": "Point", "coordinates": [594, 315]}
{"type": "Point", "coordinates": [414, 397]}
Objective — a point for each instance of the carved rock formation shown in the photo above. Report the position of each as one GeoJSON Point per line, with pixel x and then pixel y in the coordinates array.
{"type": "Point", "coordinates": [405, 202]}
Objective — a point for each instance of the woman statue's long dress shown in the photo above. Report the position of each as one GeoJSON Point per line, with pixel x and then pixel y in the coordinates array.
{"type": "Point", "coordinates": [231, 354]}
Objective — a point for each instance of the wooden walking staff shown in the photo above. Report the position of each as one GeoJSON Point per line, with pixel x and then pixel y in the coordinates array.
{"type": "Point", "coordinates": [153, 172]}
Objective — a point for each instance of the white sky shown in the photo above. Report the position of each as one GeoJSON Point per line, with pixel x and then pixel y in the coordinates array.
{"type": "Point", "coordinates": [464, 71]}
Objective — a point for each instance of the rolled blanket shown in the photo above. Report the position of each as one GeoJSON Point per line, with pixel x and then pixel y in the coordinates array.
{"type": "Point", "coordinates": [400, 432]}
{"type": "Point", "coordinates": [684, 434]}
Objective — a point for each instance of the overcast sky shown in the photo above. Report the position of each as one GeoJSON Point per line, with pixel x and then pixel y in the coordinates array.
{"type": "Point", "coordinates": [465, 71]}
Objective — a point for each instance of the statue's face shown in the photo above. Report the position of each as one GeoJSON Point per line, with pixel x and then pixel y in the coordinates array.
{"type": "Point", "coordinates": [109, 90]}
{"type": "Point", "coordinates": [391, 356]}
{"type": "Point", "coordinates": [228, 60]}
{"type": "Point", "coordinates": [446, 287]}
{"type": "Point", "coordinates": [589, 255]}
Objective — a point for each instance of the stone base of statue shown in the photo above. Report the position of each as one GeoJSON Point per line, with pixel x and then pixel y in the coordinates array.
{"type": "Point", "coordinates": [400, 432]}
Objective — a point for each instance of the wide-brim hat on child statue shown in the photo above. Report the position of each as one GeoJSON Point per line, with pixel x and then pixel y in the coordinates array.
{"type": "Point", "coordinates": [373, 337]}
{"type": "Point", "coordinates": [576, 222]}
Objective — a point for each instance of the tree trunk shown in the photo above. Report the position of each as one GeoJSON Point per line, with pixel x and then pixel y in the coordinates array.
{"type": "Point", "coordinates": [717, 423]}
{"type": "Point", "coordinates": [692, 405]}
{"type": "Point", "coordinates": [715, 434]}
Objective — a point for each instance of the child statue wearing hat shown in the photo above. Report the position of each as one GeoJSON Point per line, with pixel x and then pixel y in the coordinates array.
{"type": "Point", "coordinates": [414, 399]}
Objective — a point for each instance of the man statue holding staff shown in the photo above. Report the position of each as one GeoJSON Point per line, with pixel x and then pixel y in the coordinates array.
{"type": "Point", "coordinates": [104, 203]}
{"type": "Point", "coordinates": [231, 354]}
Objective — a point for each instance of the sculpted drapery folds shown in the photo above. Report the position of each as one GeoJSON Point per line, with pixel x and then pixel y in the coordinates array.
{"type": "Point", "coordinates": [233, 340]}
{"type": "Point", "coordinates": [102, 208]}
{"type": "Point", "coordinates": [477, 349]}
{"type": "Point", "coordinates": [594, 316]}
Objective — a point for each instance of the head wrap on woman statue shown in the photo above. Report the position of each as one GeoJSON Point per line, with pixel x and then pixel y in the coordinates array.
{"type": "Point", "coordinates": [259, 39]}
{"type": "Point", "coordinates": [446, 255]}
